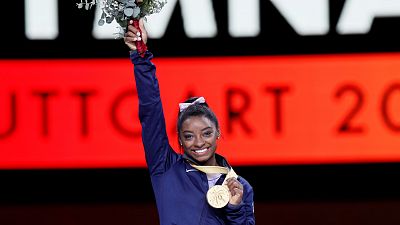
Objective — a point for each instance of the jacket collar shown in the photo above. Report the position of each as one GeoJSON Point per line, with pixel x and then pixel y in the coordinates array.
{"type": "Point", "coordinates": [221, 161]}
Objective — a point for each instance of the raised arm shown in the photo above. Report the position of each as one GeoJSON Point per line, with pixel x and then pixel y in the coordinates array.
{"type": "Point", "coordinates": [159, 154]}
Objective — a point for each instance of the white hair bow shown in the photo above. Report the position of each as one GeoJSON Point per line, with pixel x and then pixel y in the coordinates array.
{"type": "Point", "coordinates": [183, 106]}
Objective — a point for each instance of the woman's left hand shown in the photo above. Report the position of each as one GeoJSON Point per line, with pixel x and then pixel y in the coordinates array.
{"type": "Point", "coordinates": [236, 189]}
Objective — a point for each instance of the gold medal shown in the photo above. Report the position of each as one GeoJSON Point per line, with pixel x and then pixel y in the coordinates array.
{"type": "Point", "coordinates": [218, 196]}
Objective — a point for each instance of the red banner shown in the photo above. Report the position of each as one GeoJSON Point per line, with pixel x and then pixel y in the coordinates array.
{"type": "Point", "coordinates": [272, 110]}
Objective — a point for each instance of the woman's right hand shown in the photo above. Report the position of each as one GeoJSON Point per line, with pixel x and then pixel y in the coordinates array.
{"type": "Point", "coordinates": [133, 35]}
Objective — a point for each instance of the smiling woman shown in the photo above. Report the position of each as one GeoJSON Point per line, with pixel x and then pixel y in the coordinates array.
{"type": "Point", "coordinates": [186, 181]}
{"type": "Point", "coordinates": [198, 130]}
{"type": "Point", "coordinates": [198, 137]}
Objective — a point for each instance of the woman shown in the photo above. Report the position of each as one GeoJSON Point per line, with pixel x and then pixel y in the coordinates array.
{"type": "Point", "coordinates": [179, 185]}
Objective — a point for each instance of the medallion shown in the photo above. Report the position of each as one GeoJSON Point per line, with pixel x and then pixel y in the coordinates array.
{"type": "Point", "coordinates": [218, 196]}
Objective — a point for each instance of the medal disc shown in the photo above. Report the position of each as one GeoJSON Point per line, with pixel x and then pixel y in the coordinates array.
{"type": "Point", "coordinates": [218, 196]}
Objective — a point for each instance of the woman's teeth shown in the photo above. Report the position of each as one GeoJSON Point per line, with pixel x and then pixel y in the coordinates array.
{"type": "Point", "coordinates": [200, 151]}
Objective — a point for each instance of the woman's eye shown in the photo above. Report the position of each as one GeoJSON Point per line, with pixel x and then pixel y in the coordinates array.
{"type": "Point", "coordinates": [208, 133]}
{"type": "Point", "coordinates": [187, 137]}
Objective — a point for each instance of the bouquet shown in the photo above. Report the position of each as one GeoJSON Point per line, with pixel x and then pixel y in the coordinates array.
{"type": "Point", "coordinates": [122, 11]}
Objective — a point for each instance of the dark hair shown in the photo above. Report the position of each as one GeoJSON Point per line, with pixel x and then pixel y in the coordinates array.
{"type": "Point", "coordinates": [200, 109]}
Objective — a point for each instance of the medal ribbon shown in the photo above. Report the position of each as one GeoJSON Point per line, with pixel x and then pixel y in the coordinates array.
{"type": "Point", "coordinates": [216, 169]}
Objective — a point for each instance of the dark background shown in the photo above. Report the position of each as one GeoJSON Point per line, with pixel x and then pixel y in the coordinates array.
{"type": "Point", "coordinates": [313, 194]}
{"type": "Point", "coordinates": [277, 37]}
{"type": "Point", "coordinates": [343, 194]}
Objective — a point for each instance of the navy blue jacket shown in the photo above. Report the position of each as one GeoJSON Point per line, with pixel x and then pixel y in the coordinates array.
{"type": "Point", "coordinates": [179, 189]}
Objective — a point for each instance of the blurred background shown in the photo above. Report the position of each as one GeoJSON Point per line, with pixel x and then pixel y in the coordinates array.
{"type": "Point", "coordinates": [307, 93]}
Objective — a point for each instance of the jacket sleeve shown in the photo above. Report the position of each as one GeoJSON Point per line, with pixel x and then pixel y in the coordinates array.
{"type": "Point", "coordinates": [242, 214]}
{"type": "Point", "coordinates": [159, 154]}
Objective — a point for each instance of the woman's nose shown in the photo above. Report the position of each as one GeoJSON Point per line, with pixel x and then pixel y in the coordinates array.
{"type": "Point", "coordinates": [199, 142]}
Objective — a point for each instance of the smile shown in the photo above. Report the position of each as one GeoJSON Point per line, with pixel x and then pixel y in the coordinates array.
{"type": "Point", "coordinates": [200, 151]}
